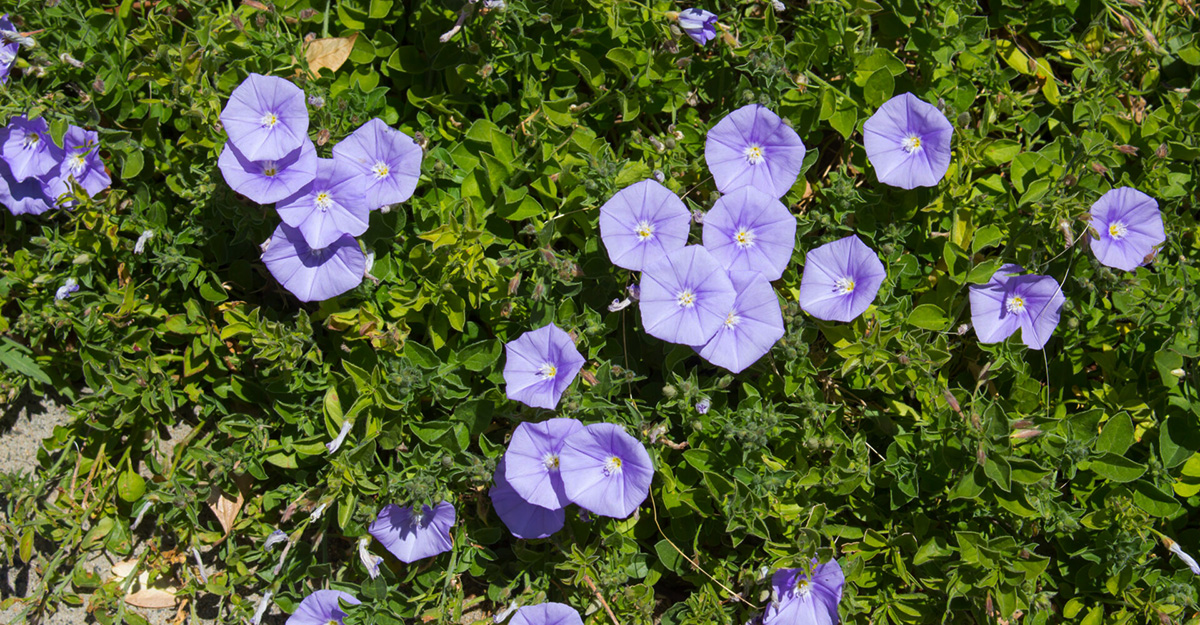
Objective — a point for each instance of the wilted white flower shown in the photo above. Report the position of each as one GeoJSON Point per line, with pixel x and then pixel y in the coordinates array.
{"type": "Point", "coordinates": [140, 246]}
{"type": "Point", "coordinates": [336, 443]}
{"type": "Point", "coordinates": [1174, 548]}
{"type": "Point", "coordinates": [263, 604]}
{"type": "Point", "coordinates": [619, 304]}
{"type": "Point", "coordinates": [66, 57]}
{"type": "Point", "coordinates": [138, 520]}
{"type": "Point", "coordinates": [316, 514]}
{"type": "Point", "coordinates": [275, 538]}
{"type": "Point", "coordinates": [369, 560]}
{"type": "Point", "coordinates": [200, 565]}
{"type": "Point", "coordinates": [499, 618]}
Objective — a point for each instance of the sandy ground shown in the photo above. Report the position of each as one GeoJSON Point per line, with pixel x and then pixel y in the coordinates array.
{"type": "Point", "coordinates": [23, 427]}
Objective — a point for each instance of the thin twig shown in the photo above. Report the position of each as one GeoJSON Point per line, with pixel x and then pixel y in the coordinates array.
{"type": "Point", "coordinates": [599, 596]}
{"type": "Point", "coordinates": [695, 565]}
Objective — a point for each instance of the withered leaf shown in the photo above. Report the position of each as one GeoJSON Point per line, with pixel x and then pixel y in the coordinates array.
{"type": "Point", "coordinates": [329, 53]}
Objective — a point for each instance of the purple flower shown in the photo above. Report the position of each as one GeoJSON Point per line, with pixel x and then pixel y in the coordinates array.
{"type": "Point", "coordinates": [313, 275]}
{"type": "Point", "coordinates": [698, 24]}
{"type": "Point", "coordinates": [321, 608]}
{"type": "Point", "coordinates": [800, 600]}
{"type": "Point", "coordinates": [522, 518]}
{"type": "Point", "coordinates": [532, 460]}
{"type": "Point", "coordinates": [269, 181]}
{"type": "Point", "coordinates": [908, 142]}
{"type": "Point", "coordinates": [8, 49]}
{"type": "Point", "coordinates": [27, 197]}
{"type": "Point", "coordinates": [28, 148]}
{"type": "Point", "coordinates": [388, 162]}
{"type": "Point", "coordinates": [751, 327]}
{"type": "Point", "coordinates": [411, 533]}
{"type": "Point", "coordinates": [1127, 227]}
{"type": "Point", "coordinates": [752, 147]}
{"type": "Point", "coordinates": [840, 280]}
{"type": "Point", "coordinates": [1010, 301]}
{"type": "Point", "coordinates": [685, 296]}
{"type": "Point", "coordinates": [266, 118]}
{"type": "Point", "coordinates": [605, 470]}
{"type": "Point", "coordinates": [748, 230]}
{"type": "Point", "coordinates": [642, 223]}
{"type": "Point", "coordinates": [81, 162]}
{"type": "Point", "coordinates": [539, 366]}
{"type": "Point", "coordinates": [547, 614]}
{"type": "Point", "coordinates": [332, 205]}
{"type": "Point", "coordinates": [703, 405]}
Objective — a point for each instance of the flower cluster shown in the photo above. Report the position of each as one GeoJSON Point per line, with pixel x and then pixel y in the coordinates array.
{"type": "Point", "coordinates": [324, 203]}
{"type": "Point", "coordinates": [716, 297]}
{"type": "Point", "coordinates": [552, 464]}
{"type": "Point", "coordinates": [36, 174]}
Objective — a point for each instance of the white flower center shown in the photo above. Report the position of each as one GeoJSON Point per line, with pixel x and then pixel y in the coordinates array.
{"type": "Point", "coordinates": [753, 154]}
{"type": "Point", "coordinates": [1118, 230]}
{"type": "Point", "coordinates": [333, 622]}
{"type": "Point", "coordinates": [547, 371]}
{"type": "Point", "coordinates": [550, 461]}
{"type": "Point", "coordinates": [324, 201]}
{"type": "Point", "coordinates": [269, 120]}
{"type": "Point", "coordinates": [380, 170]}
{"type": "Point", "coordinates": [270, 169]}
{"type": "Point", "coordinates": [418, 517]}
{"type": "Point", "coordinates": [686, 298]}
{"type": "Point", "coordinates": [803, 588]}
{"type": "Point", "coordinates": [612, 465]}
{"type": "Point", "coordinates": [77, 162]}
{"type": "Point", "coordinates": [1015, 304]}
{"type": "Point", "coordinates": [31, 140]}
{"type": "Point", "coordinates": [732, 319]}
{"type": "Point", "coordinates": [644, 230]}
{"type": "Point", "coordinates": [911, 143]}
{"type": "Point", "coordinates": [844, 286]}
{"type": "Point", "coordinates": [744, 238]}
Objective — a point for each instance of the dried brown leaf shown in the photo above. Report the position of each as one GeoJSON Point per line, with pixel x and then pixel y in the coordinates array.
{"type": "Point", "coordinates": [152, 598]}
{"type": "Point", "coordinates": [329, 53]}
{"type": "Point", "coordinates": [225, 507]}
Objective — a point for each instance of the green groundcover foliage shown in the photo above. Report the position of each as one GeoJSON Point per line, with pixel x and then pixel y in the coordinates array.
{"type": "Point", "coordinates": [954, 481]}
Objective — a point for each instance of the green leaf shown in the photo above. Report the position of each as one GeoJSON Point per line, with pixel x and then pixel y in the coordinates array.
{"type": "Point", "coordinates": [1152, 500]}
{"type": "Point", "coordinates": [1178, 439]}
{"type": "Point", "coordinates": [421, 356]}
{"type": "Point", "coordinates": [1000, 152]}
{"type": "Point", "coordinates": [13, 355]}
{"type": "Point", "coordinates": [130, 486]}
{"type": "Point", "coordinates": [1116, 468]}
{"type": "Point", "coordinates": [879, 87]}
{"type": "Point", "coordinates": [134, 161]}
{"type": "Point", "coordinates": [984, 271]}
{"type": "Point", "coordinates": [1117, 435]}
{"type": "Point", "coordinates": [927, 316]}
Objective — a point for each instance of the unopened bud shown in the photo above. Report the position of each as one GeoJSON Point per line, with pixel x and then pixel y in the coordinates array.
{"type": "Point", "coordinates": [1126, 149]}
{"type": "Point", "coordinates": [1162, 151]}
{"type": "Point", "coordinates": [952, 400]}
{"type": "Point", "coordinates": [1098, 168]}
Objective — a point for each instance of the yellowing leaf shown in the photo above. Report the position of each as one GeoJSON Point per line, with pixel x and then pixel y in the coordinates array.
{"type": "Point", "coordinates": [329, 53]}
